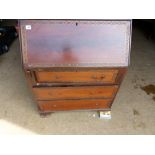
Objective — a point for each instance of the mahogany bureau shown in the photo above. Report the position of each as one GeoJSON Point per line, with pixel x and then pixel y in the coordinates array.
{"type": "Point", "coordinates": [75, 64]}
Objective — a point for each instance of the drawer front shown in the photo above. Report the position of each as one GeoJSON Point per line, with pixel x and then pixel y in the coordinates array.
{"type": "Point", "coordinates": [103, 76]}
{"type": "Point", "coordinates": [46, 93]}
{"type": "Point", "coordinates": [75, 104]}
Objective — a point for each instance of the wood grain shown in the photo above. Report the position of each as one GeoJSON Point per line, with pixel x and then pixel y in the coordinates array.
{"type": "Point", "coordinates": [47, 93]}
{"type": "Point", "coordinates": [56, 105]}
{"type": "Point", "coordinates": [75, 64]}
{"type": "Point", "coordinates": [103, 76]}
{"type": "Point", "coordinates": [75, 43]}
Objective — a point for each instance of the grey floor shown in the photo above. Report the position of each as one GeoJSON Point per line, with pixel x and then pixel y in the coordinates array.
{"type": "Point", "coordinates": [133, 111]}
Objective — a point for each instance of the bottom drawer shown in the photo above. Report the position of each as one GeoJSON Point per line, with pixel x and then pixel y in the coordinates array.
{"type": "Point", "coordinates": [74, 104]}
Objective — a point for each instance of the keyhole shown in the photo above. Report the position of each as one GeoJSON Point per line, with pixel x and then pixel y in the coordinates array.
{"type": "Point", "coordinates": [76, 24]}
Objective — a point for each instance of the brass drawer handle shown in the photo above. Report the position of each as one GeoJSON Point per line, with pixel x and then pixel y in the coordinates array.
{"type": "Point", "coordinates": [101, 77]}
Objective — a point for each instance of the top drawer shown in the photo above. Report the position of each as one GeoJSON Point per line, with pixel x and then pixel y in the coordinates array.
{"type": "Point", "coordinates": [96, 76]}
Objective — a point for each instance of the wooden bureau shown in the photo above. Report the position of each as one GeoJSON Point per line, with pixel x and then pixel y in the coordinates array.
{"type": "Point", "coordinates": [75, 64]}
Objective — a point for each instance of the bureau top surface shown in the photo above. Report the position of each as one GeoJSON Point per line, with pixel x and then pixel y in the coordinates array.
{"type": "Point", "coordinates": [84, 43]}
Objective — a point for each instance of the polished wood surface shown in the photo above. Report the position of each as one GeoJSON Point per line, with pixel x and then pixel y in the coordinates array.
{"type": "Point", "coordinates": [92, 76]}
{"type": "Point", "coordinates": [47, 93]}
{"type": "Point", "coordinates": [75, 64]}
{"type": "Point", "coordinates": [47, 43]}
{"type": "Point", "coordinates": [86, 104]}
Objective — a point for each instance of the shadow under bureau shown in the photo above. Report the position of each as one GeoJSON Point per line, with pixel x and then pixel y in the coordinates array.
{"type": "Point", "coordinates": [75, 64]}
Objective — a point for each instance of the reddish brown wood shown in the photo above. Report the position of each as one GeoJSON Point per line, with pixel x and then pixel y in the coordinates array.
{"type": "Point", "coordinates": [121, 74]}
{"type": "Point", "coordinates": [75, 64]}
{"type": "Point", "coordinates": [92, 76]}
{"type": "Point", "coordinates": [63, 43]}
{"type": "Point", "coordinates": [59, 105]}
{"type": "Point", "coordinates": [47, 93]}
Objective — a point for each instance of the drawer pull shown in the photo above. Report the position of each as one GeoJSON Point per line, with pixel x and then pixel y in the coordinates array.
{"type": "Point", "coordinates": [101, 77]}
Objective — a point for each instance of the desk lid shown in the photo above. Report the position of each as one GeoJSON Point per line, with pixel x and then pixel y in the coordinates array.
{"type": "Point", "coordinates": [67, 43]}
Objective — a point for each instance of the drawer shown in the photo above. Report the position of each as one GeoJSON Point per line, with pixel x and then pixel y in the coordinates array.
{"type": "Point", "coordinates": [93, 76]}
{"type": "Point", "coordinates": [75, 104]}
{"type": "Point", "coordinates": [47, 93]}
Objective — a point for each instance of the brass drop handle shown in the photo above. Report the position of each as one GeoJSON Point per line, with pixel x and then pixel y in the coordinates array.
{"type": "Point", "coordinates": [95, 77]}
{"type": "Point", "coordinates": [102, 76]}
